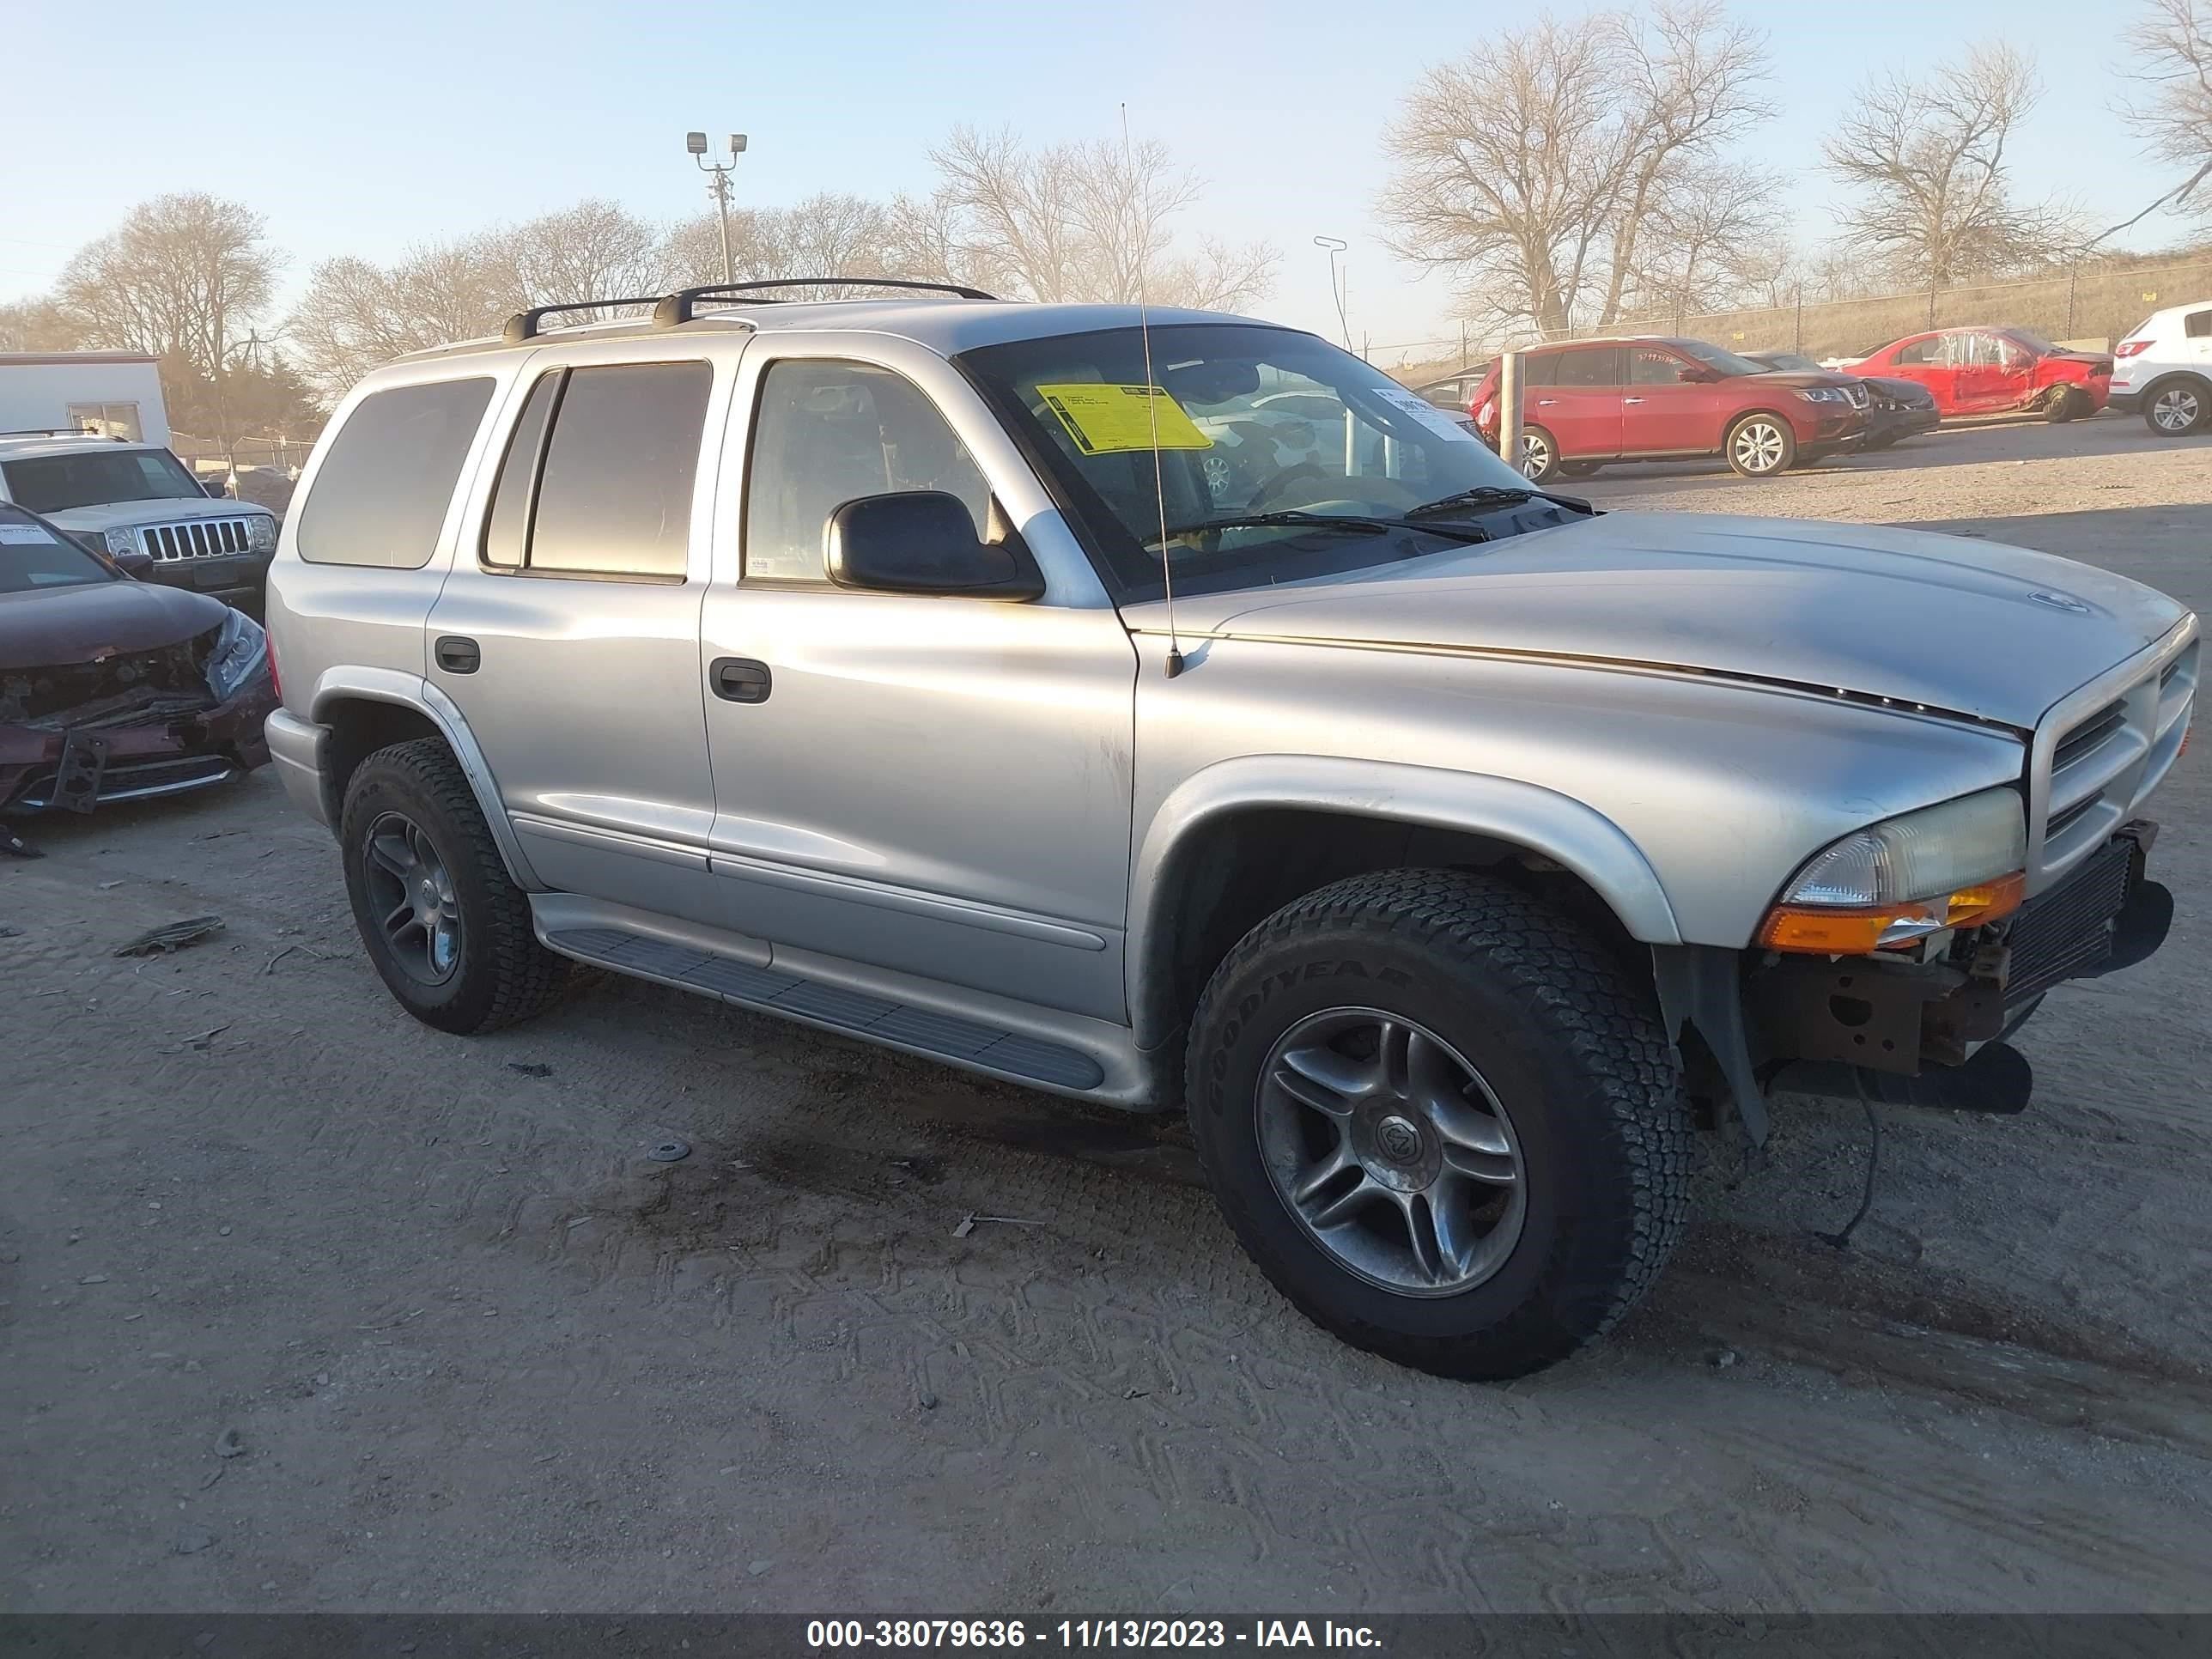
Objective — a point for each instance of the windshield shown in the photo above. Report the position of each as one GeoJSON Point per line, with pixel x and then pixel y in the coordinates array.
{"type": "Point", "coordinates": [1788, 360]}
{"type": "Point", "coordinates": [34, 557]}
{"type": "Point", "coordinates": [55, 483]}
{"type": "Point", "coordinates": [1252, 420]}
{"type": "Point", "coordinates": [2033, 340]}
{"type": "Point", "coordinates": [1713, 357]}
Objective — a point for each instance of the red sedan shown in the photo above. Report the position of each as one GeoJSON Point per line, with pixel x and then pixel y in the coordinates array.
{"type": "Point", "coordinates": [1995, 371]}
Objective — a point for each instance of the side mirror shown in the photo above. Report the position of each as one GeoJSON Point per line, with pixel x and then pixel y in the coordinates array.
{"type": "Point", "coordinates": [922, 541]}
{"type": "Point", "coordinates": [134, 562]}
{"type": "Point", "coordinates": [214, 487]}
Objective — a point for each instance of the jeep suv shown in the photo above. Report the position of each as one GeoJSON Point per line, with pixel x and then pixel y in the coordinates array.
{"type": "Point", "coordinates": [1451, 853]}
{"type": "Point", "coordinates": [138, 504]}
{"type": "Point", "coordinates": [1589, 402]}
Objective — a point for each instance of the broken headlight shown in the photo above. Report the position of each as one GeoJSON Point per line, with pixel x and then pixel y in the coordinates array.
{"type": "Point", "coordinates": [241, 651]}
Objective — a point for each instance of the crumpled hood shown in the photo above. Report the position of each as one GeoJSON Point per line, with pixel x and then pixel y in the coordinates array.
{"type": "Point", "coordinates": [1969, 627]}
{"type": "Point", "coordinates": [108, 514]}
{"type": "Point", "coordinates": [59, 627]}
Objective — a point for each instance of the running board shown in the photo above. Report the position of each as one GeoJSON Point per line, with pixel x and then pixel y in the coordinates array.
{"type": "Point", "coordinates": [965, 1042]}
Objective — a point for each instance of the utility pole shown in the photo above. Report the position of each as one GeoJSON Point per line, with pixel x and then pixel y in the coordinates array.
{"type": "Point", "coordinates": [718, 185]}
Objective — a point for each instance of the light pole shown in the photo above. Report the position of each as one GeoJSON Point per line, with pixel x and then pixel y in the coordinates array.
{"type": "Point", "coordinates": [1335, 246]}
{"type": "Point", "coordinates": [718, 185]}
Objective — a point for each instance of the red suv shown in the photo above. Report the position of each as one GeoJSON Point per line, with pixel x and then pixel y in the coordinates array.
{"type": "Point", "coordinates": [1585, 403]}
{"type": "Point", "coordinates": [1995, 371]}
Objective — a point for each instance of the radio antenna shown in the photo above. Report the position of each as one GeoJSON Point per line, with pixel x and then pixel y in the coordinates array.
{"type": "Point", "coordinates": [1152, 395]}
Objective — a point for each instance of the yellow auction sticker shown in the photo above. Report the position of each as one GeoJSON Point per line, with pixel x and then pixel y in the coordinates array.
{"type": "Point", "coordinates": [1105, 420]}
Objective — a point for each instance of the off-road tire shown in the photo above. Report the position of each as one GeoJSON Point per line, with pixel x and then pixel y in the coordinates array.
{"type": "Point", "coordinates": [1571, 1047]}
{"type": "Point", "coordinates": [1784, 450]}
{"type": "Point", "coordinates": [504, 975]}
{"type": "Point", "coordinates": [1541, 448]}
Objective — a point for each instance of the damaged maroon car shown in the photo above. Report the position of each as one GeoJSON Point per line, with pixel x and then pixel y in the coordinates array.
{"type": "Point", "coordinates": [111, 689]}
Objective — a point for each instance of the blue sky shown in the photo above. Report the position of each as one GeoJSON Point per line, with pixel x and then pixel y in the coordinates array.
{"type": "Point", "coordinates": [367, 128]}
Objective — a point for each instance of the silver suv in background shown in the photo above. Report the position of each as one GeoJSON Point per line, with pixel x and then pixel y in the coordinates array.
{"type": "Point", "coordinates": [141, 506]}
{"type": "Point", "coordinates": [1450, 852]}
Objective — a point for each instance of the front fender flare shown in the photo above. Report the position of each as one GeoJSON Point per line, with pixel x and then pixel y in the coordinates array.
{"type": "Point", "coordinates": [1545, 822]}
{"type": "Point", "coordinates": [413, 691]}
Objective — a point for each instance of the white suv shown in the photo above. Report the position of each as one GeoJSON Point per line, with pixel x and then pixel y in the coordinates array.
{"type": "Point", "coordinates": [2164, 368]}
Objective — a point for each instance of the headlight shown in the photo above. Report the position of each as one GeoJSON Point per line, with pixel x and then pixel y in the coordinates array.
{"type": "Point", "coordinates": [1958, 864]}
{"type": "Point", "coordinates": [261, 533]}
{"type": "Point", "coordinates": [122, 539]}
{"type": "Point", "coordinates": [240, 652]}
{"type": "Point", "coordinates": [1821, 394]}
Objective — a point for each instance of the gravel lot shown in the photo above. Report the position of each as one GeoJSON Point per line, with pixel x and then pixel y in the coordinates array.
{"type": "Point", "coordinates": [479, 1353]}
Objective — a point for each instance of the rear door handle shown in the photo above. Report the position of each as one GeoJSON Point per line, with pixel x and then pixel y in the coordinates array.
{"type": "Point", "coordinates": [740, 679]}
{"type": "Point", "coordinates": [1631, 400]}
{"type": "Point", "coordinates": [1545, 403]}
{"type": "Point", "coordinates": [457, 655]}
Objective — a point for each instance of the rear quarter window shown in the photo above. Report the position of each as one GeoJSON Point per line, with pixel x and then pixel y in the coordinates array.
{"type": "Point", "coordinates": [2198, 324]}
{"type": "Point", "coordinates": [381, 494]}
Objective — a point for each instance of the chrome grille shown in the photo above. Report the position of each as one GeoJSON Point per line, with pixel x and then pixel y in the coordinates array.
{"type": "Point", "coordinates": [195, 538]}
{"type": "Point", "coordinates": [1856, 392]}
{"type": "Point", "coordinates": [2102, 751]}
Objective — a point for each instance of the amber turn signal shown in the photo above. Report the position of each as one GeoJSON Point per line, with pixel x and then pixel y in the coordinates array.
{"type": "Point", "coordinates": [1837, 931]}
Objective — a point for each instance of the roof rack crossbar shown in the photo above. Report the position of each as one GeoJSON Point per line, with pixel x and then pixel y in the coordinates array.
{"type": "Point", "coordinates": [524, 324]}
{"type": "Point", "coordinates": [683, 305]}
{"type": "Point", "coordinates": [63, 432]}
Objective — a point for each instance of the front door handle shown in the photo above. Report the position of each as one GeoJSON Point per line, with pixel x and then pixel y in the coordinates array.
{"type": "Point", "coordinates": [1545, 403]}
{"type": "Point", "coordinates": [457, 655]}
{"type": "Point", "coordinates": [1631, 400]}
{"type": "Point", "coordinates": [740, 679]}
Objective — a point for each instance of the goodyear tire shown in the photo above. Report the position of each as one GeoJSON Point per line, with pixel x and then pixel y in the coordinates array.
{"type": "Point", "coordinates": [1441, 1121]}
{"type": "Point", "coordinates": [448, 930]}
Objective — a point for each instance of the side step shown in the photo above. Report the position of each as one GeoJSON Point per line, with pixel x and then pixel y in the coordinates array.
{"type": "Point", "coordinates": [963, 1041]}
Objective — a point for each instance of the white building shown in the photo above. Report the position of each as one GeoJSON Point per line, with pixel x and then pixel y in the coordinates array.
{"type": "Point", "coordinates": [115, 392]}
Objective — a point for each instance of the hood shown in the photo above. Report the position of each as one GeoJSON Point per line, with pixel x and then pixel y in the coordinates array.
{"type": "Point", "coordinates": [57, 627]}
{"type": "Point", "coordinates": [1971, 628]}
{"type": "Point", "coordinates": [1800, 377]}
{"type": "Point", "coordinates": [1908, 392]}
{"type": "Point", "coordinates": [2092, 358]}
{"type": "Point", "coordinates": [108, 514]}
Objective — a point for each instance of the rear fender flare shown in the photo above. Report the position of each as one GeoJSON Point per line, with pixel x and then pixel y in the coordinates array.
{"type": "Point", "coordinates": [413, 691]}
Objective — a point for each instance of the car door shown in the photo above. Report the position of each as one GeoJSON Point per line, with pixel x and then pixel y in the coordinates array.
{"type": "Point", "coordinates": [2197, 339]}
{"type": "Point", "coordinates": [1581, 407]}
{"type": "Point", "coordinates": [1664, 413]}
{"type": "Point", "coordinates": [933, 786]}
{"type": "Point", "coordinates": [1922, 358]}
{"type": "Point", "coordinates": [1979, 377]}
{"type": "Point", "coordinates": [568, 631]}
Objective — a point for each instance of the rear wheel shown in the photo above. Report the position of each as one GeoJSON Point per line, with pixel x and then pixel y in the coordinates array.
{"type": "Point", "coordinates": [448, 930]}
{"type": "Point", "coordinates": [1539, 454]}
{"type": "Point", "coordinates": [1440, 1121]}
{"type": "Point", "coordinates": [2064, 403]}
{"type": "Point", "coordinates": [2174, 409]}
{"type": "Point", "coordinates": [1761, 445]}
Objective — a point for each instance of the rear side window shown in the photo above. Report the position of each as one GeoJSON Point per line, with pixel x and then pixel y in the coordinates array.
{"type": "Point", "coordinates": [1540, 368]}
{"type": "Point", "coordinates": [382, 490]}
{"type": "Point", "coordinates": [2198, 324]}
{"type": "Point", "coordinates": [599, 474]}
{"type": "Point", "coordinates": [1592, 366]}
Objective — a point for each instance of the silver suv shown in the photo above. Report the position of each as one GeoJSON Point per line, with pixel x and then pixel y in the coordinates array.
{"type": "Point", "coordinates": [1451, 851]}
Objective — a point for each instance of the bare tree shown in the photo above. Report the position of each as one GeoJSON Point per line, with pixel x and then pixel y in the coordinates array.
{"type": "Point", "coordinates": [1927, 159]}
{"type": "Point", "coordinates": [1533, 167]}
{"type": "Point", "coordinates": [356, 315]}
{"type": "Point", "coordinates": [184, 278]}
{"type": "Point", "coordinates": [2170, 51]}
{"type": "Point", "coordinates": [828, 234]}
{"type": "Point", "coordinates": [1083, 221]}
{"type": "Point", "coordinates": [37, 324]}
{"type": "Point", "coordinates": [1709, 231]}
{"type": "Point", "coordinates": [580, 253]}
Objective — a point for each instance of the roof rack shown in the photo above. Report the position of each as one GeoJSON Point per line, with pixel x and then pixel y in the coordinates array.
{"type": "Point", "coordinates": [63, 432]}
{"type": "Point", "coordinates": [683, 305]}
{"type": "Point", "coordinates": [523, 326]}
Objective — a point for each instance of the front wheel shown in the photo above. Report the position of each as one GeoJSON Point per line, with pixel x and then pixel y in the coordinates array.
{"type": "Point", "coordinates": [1540, 455]}
{"type": "Point", "coordinates": [1759, 445]}
{"type": "Point", "coordinates": [1441, 1121]}
{"type": "Point", "coordinates": [447, 928]}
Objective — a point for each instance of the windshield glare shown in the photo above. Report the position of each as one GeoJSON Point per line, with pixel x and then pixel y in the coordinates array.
{"type": "Point", "coordinates": [1788, 360]}
{"type": "Point", "coordinates": [1254, 420]}
{"type": "Point", "coordinates": [55, 483]}
{"type": "Point", "coordinates": [2034, 341]}
{"type": "Point", "coordinates": [31, 557]}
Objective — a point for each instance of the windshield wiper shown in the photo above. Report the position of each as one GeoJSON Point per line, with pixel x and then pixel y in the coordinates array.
{"type": "Point", "coordinates": [1497, 496]}
{"type": "Point", "coordinates": [1356, 524]}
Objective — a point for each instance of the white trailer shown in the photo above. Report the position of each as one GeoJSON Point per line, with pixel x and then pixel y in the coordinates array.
{"type": "Point", "coordinates": [118, 393]}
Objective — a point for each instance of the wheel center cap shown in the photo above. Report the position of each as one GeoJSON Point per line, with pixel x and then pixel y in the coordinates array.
{"type": "Point", "coordinates": [1398, 1140]}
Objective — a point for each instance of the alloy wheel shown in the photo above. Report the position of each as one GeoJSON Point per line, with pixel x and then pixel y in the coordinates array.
{"type": "Point", "coordinates": [1390, 1152]}
{"type": "Point", "coordinates": [412, 895]}
{"type": "Point", "coordinates": [2177, 409]}
{"type": "Point", "coordinates": [1535, 455]}
{"type": "Point", "coordinates": [1758, 446]}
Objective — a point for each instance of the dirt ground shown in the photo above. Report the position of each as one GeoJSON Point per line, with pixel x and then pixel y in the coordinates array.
{"type": "Point", "coordinates": [479, 1353]}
